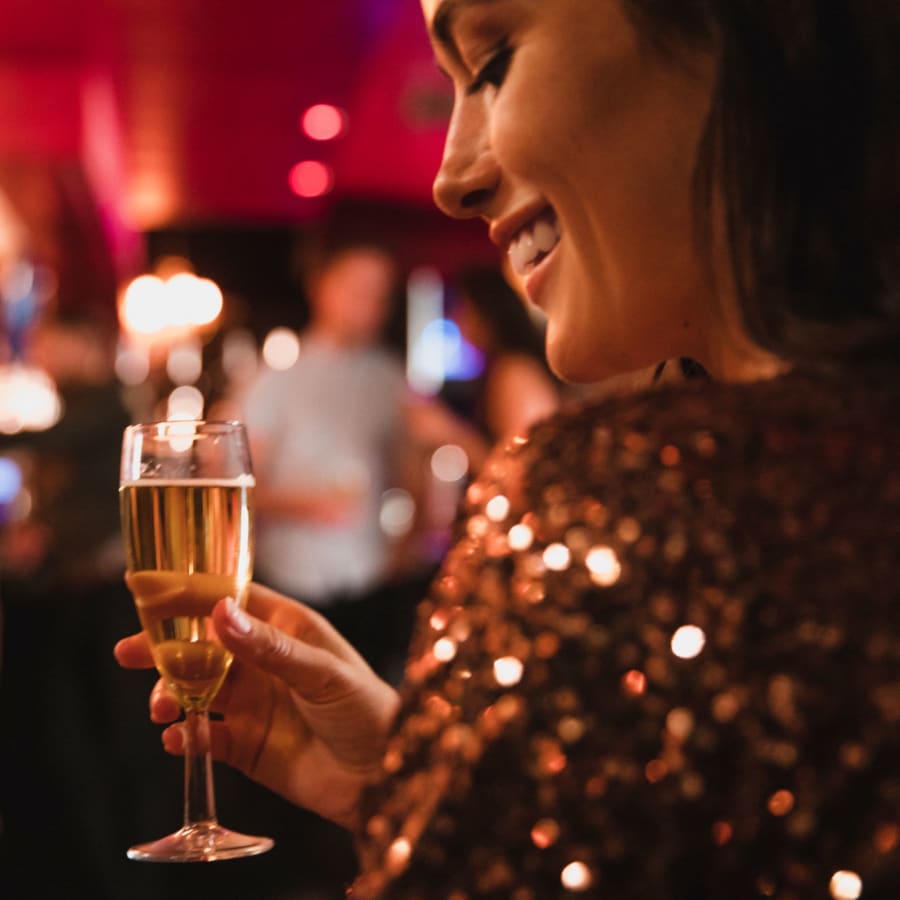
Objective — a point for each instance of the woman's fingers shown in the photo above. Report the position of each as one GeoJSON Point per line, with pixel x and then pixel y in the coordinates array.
{"type": "Point", "coordinates": [286, 614]}
{"type": "Point", "coordinates": [163, 705]}
{"type": "Point", "coordinates": [219, 738]}
{"type": "Point", "coordinates": [133, 652]}
{"type": "Point", "coordinates": [299, 621]}
{"type": "Point", "coordinates": [316, 673]}
{"type": "Point", "coordinates": [295, 683]}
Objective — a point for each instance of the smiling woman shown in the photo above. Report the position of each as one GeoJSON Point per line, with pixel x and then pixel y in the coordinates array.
{"type": "Point", "coordinates": [581, 235]}
{"type": "Point", "coordinates": [661, 660]}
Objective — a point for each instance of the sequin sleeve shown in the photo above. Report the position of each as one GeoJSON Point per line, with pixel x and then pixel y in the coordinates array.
{"type": "Point", "coordinates": [662, 661]}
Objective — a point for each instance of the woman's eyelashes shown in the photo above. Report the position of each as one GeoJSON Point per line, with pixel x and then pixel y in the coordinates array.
{"type": "Point", "coordinates": [493, 71]}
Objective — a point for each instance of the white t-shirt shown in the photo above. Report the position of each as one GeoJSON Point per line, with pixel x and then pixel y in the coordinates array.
{"type": "Point", "coordinates": [334, 418]}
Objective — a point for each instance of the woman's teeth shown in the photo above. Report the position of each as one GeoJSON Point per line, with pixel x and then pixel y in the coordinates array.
{"type": "Point", "coordinates": [533, 243]}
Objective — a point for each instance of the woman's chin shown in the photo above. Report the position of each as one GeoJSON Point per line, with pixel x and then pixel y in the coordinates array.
{"type": "Point", "coordinates": [573, 362]}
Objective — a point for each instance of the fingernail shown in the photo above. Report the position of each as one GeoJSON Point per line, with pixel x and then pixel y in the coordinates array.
{"type": "Point", "coordinates": [238, 620]}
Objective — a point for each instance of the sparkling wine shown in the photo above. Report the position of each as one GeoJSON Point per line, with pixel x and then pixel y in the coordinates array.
{"type": "Point", "coordinates": [188, 544]}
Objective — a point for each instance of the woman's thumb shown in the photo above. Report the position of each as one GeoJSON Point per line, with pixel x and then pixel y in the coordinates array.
{"type": "Point", "coordinates": [316, 674]}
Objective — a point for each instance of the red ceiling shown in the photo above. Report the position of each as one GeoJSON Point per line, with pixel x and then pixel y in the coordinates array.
{"type": "Point", "coordinates": [146, 114]}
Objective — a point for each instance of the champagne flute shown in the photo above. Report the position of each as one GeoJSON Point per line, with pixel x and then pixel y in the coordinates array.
{"type": "Point", "coordinates": [186, 500]}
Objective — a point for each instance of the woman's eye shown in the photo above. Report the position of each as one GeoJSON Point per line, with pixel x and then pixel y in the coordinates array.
{"type": "Point", "coordinates": [493, 71]}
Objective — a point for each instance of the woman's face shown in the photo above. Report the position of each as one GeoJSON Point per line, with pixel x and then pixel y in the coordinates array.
{"type": "Point", "coordinates": [352, 298]}
{"type": "Point", "coordinates": [576, 142]}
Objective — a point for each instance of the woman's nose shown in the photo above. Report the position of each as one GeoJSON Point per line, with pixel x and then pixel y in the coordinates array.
{"type": "Point", "coordinates": [469, 174]}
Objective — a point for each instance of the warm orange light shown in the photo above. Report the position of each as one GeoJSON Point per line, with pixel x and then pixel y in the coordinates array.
{"type": "Point", "coordinates": [576, 876]}
{"type": "Point", "coordinates": [688, 641]}
{"type": "Point", "coordinates": [323, 122]}
{"type": "Point", "coordinates": [520, 537]}
{"type": "Point", "coordinates": [508, 671]}
{"type": "Point", "coordinates": [604, 565]}
{"type": "Point", "coordinates": [153, 307]}
{"type": "Point", "coordinates": [29, 400]}
{"type": "Point", "coordinates": [143, 306]}
{"type": "Point", "coordinates": [634, 683]}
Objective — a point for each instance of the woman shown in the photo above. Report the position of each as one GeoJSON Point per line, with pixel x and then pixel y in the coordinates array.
{"type": "Point", "coordinates": [515, 390]}
{"type": "Point", "coordinates": [662, 660]}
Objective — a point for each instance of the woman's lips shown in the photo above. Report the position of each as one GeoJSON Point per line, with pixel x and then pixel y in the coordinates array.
{"type": "Point", "coordinates": [533, 242]}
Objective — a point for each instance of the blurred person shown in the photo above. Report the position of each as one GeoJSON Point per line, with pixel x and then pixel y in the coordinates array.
{"type": "Point", "coordinates": [79, 453]}
{"type": "Point", "coordinates": [329, 436]}
{"type": "Point", "coordinates": [63, 783]}
{"type": "Point", "coordinates": [516, 389]}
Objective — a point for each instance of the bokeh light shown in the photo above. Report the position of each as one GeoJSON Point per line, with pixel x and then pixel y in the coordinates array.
{"type": "Point", "coordinates": [444, 649]}
{"type": "Point", "coordinates": [576, 876]}
{"type": "Point", "coordinates": [520, 537]}
{"type": "Point", "coordinates": [497, 508]}
{"type": "Point", "coordinates": [192, 301]}
{"type": "Point", "coordinates": [185, 402]}
{"type": "Point", "coordinates": [449, 463]}
{"type": "Point", "coordinates": [152, 306]}
{"type": "Point", "coordinates": [240, 356]}
{"type": "Point", "coordinates": [545, 833]}
{"type": "Point", "coordinates": [29, 400]}
{"type": "Point", "coordinates": [845, 885]}
{"type": "Point", "coordinates": [310, 178]}
{"type": "Point", "coordinates": [10, 480]}
{"type": "Point", "coordinates": [688, 641]}
{"type": "Point", "coordinates": [398, 854]}
{"type": "Point", "coordinates": [132, 364]}
{"type": "Point", "coordinates": [144, 305]}
{"type": "Point", "coordinates": [281, 348]}
{"type": "Point", "coordinates": [184, 363]}
{"type": "Point", "coordinates": [398, 512]}
{"type": "Point", "coordinates": [604, 565]}
{"type": "Point", "coordinates": [180, 434]}
{"type": "Point", "coordinates": [508, 671]}
{"type": "Point", "coordinates": [323, 122]}
{"type": "Point", "coordinates": [557, 557]}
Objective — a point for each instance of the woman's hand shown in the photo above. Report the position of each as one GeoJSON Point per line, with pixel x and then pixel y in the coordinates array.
{"type": "Point", "coordinates": [303, 714]}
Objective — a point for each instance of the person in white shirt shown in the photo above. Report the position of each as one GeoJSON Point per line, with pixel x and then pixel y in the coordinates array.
{"type": "Point", "coordinates": [328, 437]}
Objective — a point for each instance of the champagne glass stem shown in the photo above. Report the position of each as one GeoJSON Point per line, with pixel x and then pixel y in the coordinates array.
{"type": "Point", "coordinates": [199, 795]}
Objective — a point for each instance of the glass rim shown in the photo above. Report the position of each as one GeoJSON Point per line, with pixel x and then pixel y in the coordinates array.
{"type": "Point", "coordinates": [198, 424]}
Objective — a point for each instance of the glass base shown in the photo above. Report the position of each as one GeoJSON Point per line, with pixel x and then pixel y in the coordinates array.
{"type": "Point", "coordinates": [200, 843]}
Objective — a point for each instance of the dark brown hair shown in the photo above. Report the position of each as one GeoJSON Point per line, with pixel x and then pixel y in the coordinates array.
{"type": "Point", "coordinates": [804, 140]}
{"type": "Point", "coordinates": [501, 309]}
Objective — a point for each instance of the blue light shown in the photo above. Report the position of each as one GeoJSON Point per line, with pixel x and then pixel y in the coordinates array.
{"type": "Point", "coordinates": [10, 480]}
{"type": "Point", "coordinates": [462, 361]}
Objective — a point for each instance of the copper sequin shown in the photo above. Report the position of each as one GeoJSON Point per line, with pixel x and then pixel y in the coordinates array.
{"type": "Point", "coordinates": [678, 673]}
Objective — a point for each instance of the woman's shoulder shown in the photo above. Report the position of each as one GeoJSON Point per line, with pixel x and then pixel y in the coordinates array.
{"type": "Point", "coordinates": [664, 608]}
{"type": "Point", "coordinates": [819, 398]}
{"type": "Point", "coordinates": [656, 613]}
{"type": "Point", "coordinates": [791, 416]}
{"type": "Point", "coordinates": [672, 472]}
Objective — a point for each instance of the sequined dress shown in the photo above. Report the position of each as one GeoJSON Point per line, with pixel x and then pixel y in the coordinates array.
{"type": "Point", "coordinates": [663, 659]}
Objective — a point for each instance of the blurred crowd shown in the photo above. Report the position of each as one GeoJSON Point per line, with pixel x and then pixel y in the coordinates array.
{"type": "Point", "coordinates": [358, 478]}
